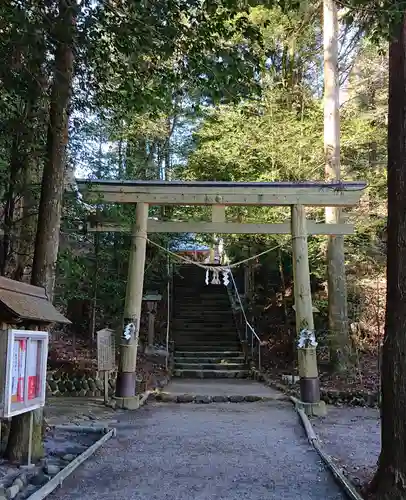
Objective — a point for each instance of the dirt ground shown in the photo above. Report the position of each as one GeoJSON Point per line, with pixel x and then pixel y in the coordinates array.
{"type": "Point", "coordinates": [352, 436]}
{"type": "Point", "coordinates": [75, 410]}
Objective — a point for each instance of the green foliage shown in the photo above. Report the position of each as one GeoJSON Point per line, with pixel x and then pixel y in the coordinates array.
{"type": "Point", "coordinates": [215, 90]}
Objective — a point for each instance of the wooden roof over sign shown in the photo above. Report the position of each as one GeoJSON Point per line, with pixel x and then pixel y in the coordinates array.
{"type": "Point", "coordinates": [23, 302]}
{"type": "Point", "coordinates": [223, 193]}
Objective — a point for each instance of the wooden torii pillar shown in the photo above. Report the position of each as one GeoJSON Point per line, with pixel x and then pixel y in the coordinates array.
{"type": "Point", "coordinates": [125, 388]}
{"type": "Point", "coordinates": [308, 372]}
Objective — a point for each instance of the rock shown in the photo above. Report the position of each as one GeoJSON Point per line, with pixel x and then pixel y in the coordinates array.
{"type": "Point", "coordinates": [99, 384]}
{"type": "Point", "coordinates": [28, 491]}
{"type": "Point", "coordinates": [168, 398]}
{"type": "Point", "coordinates": [203, 399]}
{"type": "Point", "coordinates": [70, 386]}
{"type": "Point", "coordinates": [219, 399]}
{"type": "Point", "coordinates": [39, 479]}
{"type": "Point", "coordinates": [61, 386]}
{"type": "Point", "coordinates": [24, 478]}
{"type": "Point", "coordinates": [52, 385]}
{"type": "Point", "coordinates": [92, 385]}
{"type": "Point", "coordinates": [68, 457]}
{"type": "Point", "coordinates": [13, 491]}
{"type": "Point", "coordinates": [236, 399]}
{"type": "Point", "coordinates": [185, 398]}
{"type": "Point", "coordinates": [252, 398]}
{"type": "Point", "coordinates": [51, 469]}
{"type": "Point", "coordinates": [19, 483]}
{"type": "Point", "coordinates": [78, 384]}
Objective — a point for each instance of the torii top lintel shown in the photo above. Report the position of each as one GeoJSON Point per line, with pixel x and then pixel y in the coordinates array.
{"type": "Point", "coordinates": [327, 194]}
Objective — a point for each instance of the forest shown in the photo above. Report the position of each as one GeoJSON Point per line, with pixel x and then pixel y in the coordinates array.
{"type": "Point", "coordinates": [215, 90]}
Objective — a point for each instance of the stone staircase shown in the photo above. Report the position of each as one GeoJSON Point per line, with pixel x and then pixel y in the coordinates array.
{"type": "Point", "coordinates": [203, 329]}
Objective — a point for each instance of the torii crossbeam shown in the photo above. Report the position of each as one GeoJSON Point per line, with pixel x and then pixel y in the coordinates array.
{"type": "Point", "coordinates": [297, 195]}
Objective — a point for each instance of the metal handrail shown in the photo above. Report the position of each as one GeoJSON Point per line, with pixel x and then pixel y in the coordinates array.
{"type": "Point", "coordinates": [247, 323]}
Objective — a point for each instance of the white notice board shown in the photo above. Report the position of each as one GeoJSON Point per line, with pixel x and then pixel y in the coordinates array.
{"type": "Point", "coordinates": [23, 384]}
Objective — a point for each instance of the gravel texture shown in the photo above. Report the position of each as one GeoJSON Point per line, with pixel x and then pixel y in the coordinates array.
{"type": "Point", "coordinates": [353, 437]}
{"type": "Point", "coordinates": [204, 452]}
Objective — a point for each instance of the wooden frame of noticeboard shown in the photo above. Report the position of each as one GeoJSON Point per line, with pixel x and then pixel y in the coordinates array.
{"type": "Point", "coordinates": [23, 378]}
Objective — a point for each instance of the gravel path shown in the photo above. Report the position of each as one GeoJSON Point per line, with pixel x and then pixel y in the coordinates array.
{"type": "Point", "coordinates": [252, 451]}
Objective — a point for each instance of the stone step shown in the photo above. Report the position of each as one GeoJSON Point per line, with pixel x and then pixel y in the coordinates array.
{"type": "Point", "coordinates": [210, 366]}
{"type": "Point", "coordinates": [200, 333]}
{"type": "Point", "coordinates": [214, 334]}
{"type": "Point", "coordinates": [214, 338]}
{"type": "Point", "coordinates": [192, 287]}
{"type": "Point", "coordinates": [203, 343]}
{"type": "Point", "coordinates": [211, 373]}
{"type": "Point", "coordinates": [205, 321]}
{"type": "Point", "coordinates": [199, 307]}
{"type": "Point", "coordinates": [192, 296]}
{"type": "Point", "coordinates": [202, 360]}
{"type": "Point", "coordinates": [205, 348]}
{"type": "Point", "coordinates": [210, 353]}
{"type": "Point", "coordinates": [218, 345]}
{"type": "Point", "coordinates": [206, 299]}
{"type": "Point", "coordinates": [196, 309]}
{"type": "Point", "coordinates": [228, 340]}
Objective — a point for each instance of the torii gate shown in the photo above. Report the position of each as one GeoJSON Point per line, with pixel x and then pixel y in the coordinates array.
{"type": "Point", "coordinates": [219, 195]}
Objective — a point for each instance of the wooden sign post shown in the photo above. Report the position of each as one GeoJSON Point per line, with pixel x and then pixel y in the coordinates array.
{"type": "Point", "coordinates": [106, 356]}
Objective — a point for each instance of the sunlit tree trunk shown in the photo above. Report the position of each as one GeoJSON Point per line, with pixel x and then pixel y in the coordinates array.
{"type": "Point", "coordinates": [337, 287]}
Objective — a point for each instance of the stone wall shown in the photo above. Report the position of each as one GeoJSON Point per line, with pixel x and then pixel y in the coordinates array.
{"type": "Point", "coordinates": [87, 383]}
{"type": "Point", "coordinates": [78, 384]}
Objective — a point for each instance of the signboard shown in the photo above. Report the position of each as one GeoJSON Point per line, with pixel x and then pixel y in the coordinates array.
{"type": "Point", "coordinates": [23, 378]}
{"type": "Point", "coordinates": [106, 357]}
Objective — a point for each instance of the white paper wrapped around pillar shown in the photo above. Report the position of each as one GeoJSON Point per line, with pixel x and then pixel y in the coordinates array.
{"type": "Point", "coordinates": [129, 330]}
{"type": "Point", "coordinates": [307, 338]}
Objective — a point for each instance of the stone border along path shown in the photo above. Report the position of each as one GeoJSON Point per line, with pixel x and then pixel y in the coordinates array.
{"type": "Point", "coordinates": [205, 391]}
{"type": "Point", "coordinates": [207, 452]}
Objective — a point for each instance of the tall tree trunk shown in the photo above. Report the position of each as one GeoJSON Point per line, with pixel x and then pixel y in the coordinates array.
{"type": "Point", "coordinates": [390, 480]}
{"type": "Point", "coordinates": [337, 287]}
{"type": "Point", "coordinates": [49, 217]}
{"type": "Point", "coordinates": [27, 224]}
{"type": "Point", "coordinates": [10, 200]}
